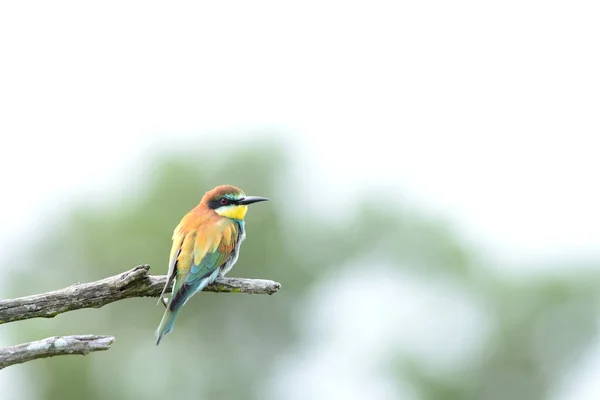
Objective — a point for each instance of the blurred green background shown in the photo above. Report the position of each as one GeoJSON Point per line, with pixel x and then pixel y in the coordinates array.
{"type": "Point", "coordinates": [433, 174]}
{"type": "Point", "coordinates": [342, 309]}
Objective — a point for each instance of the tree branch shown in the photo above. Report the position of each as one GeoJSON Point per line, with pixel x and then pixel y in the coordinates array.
{"type": "Point", "coordinates": [54, 346]}
{"type": "Point", "coordinates": [133, 283]}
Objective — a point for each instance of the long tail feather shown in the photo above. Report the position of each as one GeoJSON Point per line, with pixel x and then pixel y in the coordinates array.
{"type": "Point", "coordinates": [176, 303]}
{"type": "Point", "coordinates": [166, 324]}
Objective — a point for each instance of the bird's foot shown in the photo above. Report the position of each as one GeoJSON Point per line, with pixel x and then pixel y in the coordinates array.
{"type": "Point", "coordinates": [164, 301]}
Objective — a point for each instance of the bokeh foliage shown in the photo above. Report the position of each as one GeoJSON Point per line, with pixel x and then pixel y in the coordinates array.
{"type": "Point", "coordinates": [224, 345]}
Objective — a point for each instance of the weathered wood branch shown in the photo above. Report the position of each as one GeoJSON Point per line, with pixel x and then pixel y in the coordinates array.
{"type": "Point", "coordinates": [133, 283]}
{"type": "Point", "coordinates": [54, 346]}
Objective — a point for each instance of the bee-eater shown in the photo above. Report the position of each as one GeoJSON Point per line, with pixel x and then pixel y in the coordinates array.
{"type": "Point", "coordinates": [206, 244]}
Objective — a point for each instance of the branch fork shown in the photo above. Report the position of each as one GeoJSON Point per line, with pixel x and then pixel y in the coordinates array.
{"type": "Point", "coordinates": [133, 283]}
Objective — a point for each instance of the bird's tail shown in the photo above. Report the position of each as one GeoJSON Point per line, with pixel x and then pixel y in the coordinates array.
{"type": "Point", "coordinates": [178, 300]}
{"type": "Point", "coordinates": [166, 323]}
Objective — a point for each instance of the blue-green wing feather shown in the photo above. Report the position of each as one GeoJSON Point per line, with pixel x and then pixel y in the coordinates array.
{"type": "Point", "coordinates": [203, 253]}
{"type": "Point", "coordinates": [199, 275]}
{"type": "Point", "coordinates": [194, 281]}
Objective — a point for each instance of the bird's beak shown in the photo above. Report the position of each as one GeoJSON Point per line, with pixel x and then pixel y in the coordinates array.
{"type": "Point", "coordinates": [251, 199]}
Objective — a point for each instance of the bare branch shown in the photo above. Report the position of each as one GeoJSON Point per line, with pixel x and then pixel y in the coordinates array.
{"type": "Point", "coordinates": [54, 346]}
{"type": "Point", "coordinates": [133, 283]}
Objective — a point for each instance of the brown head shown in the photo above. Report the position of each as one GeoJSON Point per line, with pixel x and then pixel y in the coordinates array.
{"type": "Point", "coordinates": [229, 201]}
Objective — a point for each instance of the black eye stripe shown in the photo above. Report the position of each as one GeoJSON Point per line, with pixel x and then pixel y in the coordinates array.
{"type": "Point", "coordinates": [214, 204]}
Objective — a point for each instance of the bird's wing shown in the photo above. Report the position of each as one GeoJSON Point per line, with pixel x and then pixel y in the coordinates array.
{"type": "Point", "coordinates": [203, 251]}
{"type": "Point", "coordinates": [178, 237]}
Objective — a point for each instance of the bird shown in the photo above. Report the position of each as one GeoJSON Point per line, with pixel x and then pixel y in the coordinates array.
{"type": "Point", "coordinates": [206, 245]}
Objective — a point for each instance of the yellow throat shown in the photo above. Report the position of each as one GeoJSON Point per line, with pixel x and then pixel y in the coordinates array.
{"type": "Point", "coordinates": [233, 211]}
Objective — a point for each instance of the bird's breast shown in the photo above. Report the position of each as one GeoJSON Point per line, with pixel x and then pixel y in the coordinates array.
{"type": "Point", "coordinates": [236, 250]}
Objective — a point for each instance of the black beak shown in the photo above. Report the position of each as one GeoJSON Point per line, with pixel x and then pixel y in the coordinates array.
{"type": "Point", "coordinates": [251, 199]}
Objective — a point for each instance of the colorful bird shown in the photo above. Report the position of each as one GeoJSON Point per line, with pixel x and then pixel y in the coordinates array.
{"type": "Point", "coordinates": [206, 244]}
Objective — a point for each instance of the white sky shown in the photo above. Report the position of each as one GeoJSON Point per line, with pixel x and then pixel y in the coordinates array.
{"type": "Point", "coordinates": [486, 113]}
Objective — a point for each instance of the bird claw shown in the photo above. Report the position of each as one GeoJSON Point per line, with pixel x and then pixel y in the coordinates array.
{"type": "Point", "coordinates": [164, 301]}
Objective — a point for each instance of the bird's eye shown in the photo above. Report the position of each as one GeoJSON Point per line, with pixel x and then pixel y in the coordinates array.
{"type": "Point", "coordinates": [224, 201]}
